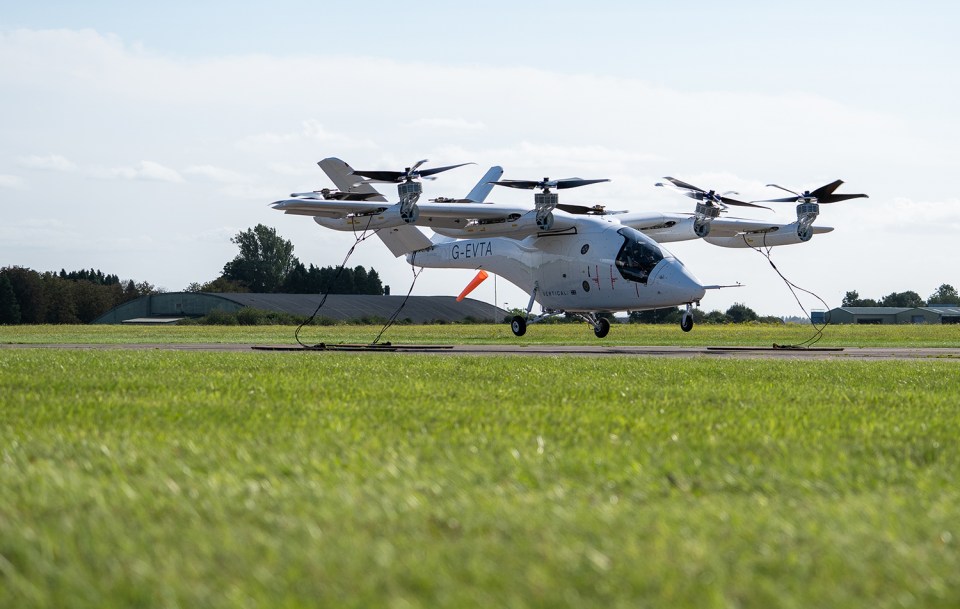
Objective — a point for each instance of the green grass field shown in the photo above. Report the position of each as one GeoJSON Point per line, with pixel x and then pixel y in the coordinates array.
{"type": "Point", "coordinates": [198, 479]}
{"type": "Point", "coordinates": [620, 334]}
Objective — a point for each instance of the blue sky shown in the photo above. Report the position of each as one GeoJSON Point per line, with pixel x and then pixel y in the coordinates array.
{"type": "Point", "coordinates": [138, 137]}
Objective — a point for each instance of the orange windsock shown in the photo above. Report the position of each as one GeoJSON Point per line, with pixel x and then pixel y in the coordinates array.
{"type": "Point", "coordinates": [473, 284]}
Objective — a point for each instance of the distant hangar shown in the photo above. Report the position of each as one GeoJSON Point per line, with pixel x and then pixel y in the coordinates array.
{"type": "Point", "coordinates": [172, 306]}
{"type": "Point", "coordinates": [937, 314]}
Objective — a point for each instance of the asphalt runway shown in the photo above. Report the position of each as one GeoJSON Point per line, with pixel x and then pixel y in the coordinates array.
{"type": "Point", "coordinates": [521, 349]}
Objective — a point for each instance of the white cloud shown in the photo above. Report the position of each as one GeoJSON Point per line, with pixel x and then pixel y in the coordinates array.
{"type": "Point", "coordinates": [219, 174]}
{"type": "Point", "coordinates": [448, 124]}
{"type": "Point", "coordinates": [144, 170]}
{"type": "Point", "coordinates": [51, 162]}
{"type": "Point", "coordinates": [11, 181]}
{"type": "Point", "coordinates": [311, 131]}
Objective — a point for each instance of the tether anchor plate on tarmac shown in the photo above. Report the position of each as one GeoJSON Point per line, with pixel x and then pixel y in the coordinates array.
{"type": "Point", "coordinates": [354, 347]}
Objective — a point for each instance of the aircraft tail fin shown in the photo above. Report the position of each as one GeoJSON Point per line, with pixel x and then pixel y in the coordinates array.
{"type": "Point", "coordinates": [484, 186]}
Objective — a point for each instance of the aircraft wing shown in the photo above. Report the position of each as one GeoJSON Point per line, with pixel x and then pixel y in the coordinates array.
{"type": "Point", "coordinates": [725, 232]}
{"type": "Point", "coordinates": [331, 208]}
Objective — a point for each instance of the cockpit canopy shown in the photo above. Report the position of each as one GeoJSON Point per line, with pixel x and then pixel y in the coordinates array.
{"type": "Point", "coordinates": [637, 256]}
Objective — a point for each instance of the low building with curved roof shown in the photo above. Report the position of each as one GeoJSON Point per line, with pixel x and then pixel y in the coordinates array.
{"type": "Point", "coordinates": [172, 306]}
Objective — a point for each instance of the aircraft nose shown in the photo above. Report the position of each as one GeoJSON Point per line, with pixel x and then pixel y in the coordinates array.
{"type": "Point", "coordinates": [678, 284]}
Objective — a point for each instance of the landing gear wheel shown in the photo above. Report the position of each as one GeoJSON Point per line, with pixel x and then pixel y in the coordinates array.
{"type": "Point", "coordinates": [602, 328]}
{"type": "Point", "coordinates": [686, 322]}
{"type": "Point", "coordinates": [518, 325]}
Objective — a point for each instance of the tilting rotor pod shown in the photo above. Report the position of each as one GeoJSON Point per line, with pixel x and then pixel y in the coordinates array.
{"type": "Point", "coordinates": [808, 204]}
{"type": "Point", "coordinates": [709, 204]}
{"type": "Point", "coordinates": [545, 202]}
{"type": "Point", "coordinates": [408, 187]}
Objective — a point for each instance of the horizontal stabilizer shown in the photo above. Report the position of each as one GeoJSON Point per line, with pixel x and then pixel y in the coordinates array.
{"type": "Point", "coordinates": [402, 240]}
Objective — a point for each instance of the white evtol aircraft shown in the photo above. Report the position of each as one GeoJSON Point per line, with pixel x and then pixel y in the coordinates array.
{"type": "Point", "coordinates": [569, 258]}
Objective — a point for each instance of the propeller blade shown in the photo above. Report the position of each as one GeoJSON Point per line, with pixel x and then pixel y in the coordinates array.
{"type": "Point", "coordinates": [575, 182]}
{"type": "Point", "coordinates": [525, 184]}
{"type": "Point", "coordinates": [473, 284]}
{"type": "Point", "coordinates": [836, 198]}
{"type": "Point", "coordinates": [828, 189]}
{"type": "Point", "coordinates": [418, 164]}
{"type": "Point", "coordinates": [430, 172]}
{"type": "Point", "coordinates": [783, 200]}
{"type": "Point", "coordinates": [682, 184]}
{"type": "Point", "coordinates": [786, 189]}
{"type": "Point", "coordinates": [381, 176]}
{"type": "Point", "coordinates": [729, 201]}
{"type": "Point", "coordinates": [596, 210]}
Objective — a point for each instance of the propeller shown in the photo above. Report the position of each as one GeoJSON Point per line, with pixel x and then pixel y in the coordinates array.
{"type": "Point", "coordinates": [596, 210]}
{"type": "Point", "coordinates": [824, 194]}
{"type": "Point", "coordinates": [409, 174]}
{"type": "Point", "coordinates": [546, 183]}
{"type": "Point", "coordinates": [709, 197]}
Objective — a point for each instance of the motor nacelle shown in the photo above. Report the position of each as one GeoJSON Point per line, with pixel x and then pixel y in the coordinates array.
{"type": "Point", "coordinates": [807, 212]}
{"type": "Point", "coordinates": [386, 218]}
{"type": "Point", "coordinates": [515, 224]}
{"type": "Point", "coordinates": [703, 215]}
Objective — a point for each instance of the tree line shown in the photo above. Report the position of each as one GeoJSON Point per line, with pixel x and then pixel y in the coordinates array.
{"type": "Point", "coordinates": [265, 263]}
{"type": "Point", "coordinates": [77, 297]}
{"type": "Point", "coordinates": [946, 294]}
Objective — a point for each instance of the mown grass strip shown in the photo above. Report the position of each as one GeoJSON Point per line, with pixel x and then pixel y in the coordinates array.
{"type": "Point", "coordinates": [567, 334]}
{"type": "Point", "coordinates": [275, 479]}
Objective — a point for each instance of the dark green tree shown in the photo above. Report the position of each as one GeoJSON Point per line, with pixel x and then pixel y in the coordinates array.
{"type": "Point", "coordinates": [62, 307]}
{"type": "Point", "coordinates": [28, 287]}
{"type": "Point", "coordinates": [264, 261]}
{"type": "Point", "coordinates": [656, 316]}
{"type": "Point", "coordinates": [908, 299]}
{"type": "Point", "coordinates": [739, 313]}
{"type": "Point", "coordinates": [852, 299]}
{"type": "Point", "coordinates": [374, 285]}
{"type": "Point", "coordinates": [9, 307]}
{"type": "Point", "coordinates": [946, 294]}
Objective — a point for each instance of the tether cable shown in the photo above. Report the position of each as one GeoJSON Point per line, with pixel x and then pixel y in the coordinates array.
{"type": "Point", "coordinates": [393, 318]}
{"type": "Point", "coordinates": [765, 251]}
{"type": "Point", "coordinates": [363, 236]}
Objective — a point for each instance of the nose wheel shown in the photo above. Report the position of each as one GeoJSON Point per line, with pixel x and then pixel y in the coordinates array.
{"type": "Point", "coordinates": [686, 322]}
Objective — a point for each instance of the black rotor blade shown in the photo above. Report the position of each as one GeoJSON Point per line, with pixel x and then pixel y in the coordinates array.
{"type": "Point", "coordinates": [527, 184]}
{"type": "Point", "coordinates": [729, 201]}
{"type": "Point", "coordinates": [836, 198]}
{"type": "Point", "coordinates": [825, 190]}
{"type": "Point", "coordinates": [575, 182]}
{"type": "Point", "coordinates": [430, 172]}
{"type": "Point", "coordinates": [782, 188]}
{"type": "Point", "coordinates": [783, 200]}
{"type": "Point", "coordinates": [383, 176]}
{"type": "Point", "coordinates": [682, 184]}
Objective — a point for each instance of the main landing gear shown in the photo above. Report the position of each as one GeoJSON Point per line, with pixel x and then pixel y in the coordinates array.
{"type": "Point", "coordinates": [518, 325]}
{"type": "Point", "coordinates": [600, 325]}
